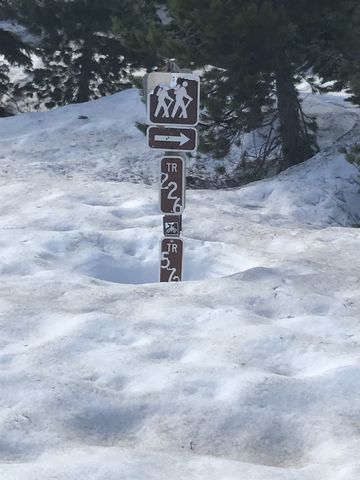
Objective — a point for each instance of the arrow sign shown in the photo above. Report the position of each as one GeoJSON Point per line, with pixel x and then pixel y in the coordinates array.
{"type": "Point", "coordinates": [175, 138]}
{"type": "Point", "coordinates": [180, 139]}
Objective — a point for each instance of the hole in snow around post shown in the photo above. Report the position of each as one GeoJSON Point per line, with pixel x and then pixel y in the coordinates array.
{"type": "Point", "coordinates": [202, 260]}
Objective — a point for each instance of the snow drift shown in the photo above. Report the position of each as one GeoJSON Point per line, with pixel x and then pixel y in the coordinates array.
{"type": "Point", "coordinates": [248, 370]}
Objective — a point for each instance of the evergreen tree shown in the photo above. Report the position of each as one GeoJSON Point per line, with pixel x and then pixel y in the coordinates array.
{"type": "Point", "coordinates": [254, 52]}
{"type": "Point", "coordinates": [82, 58]}
{"type": "Point", "coordinates": [13, 52]}
{"type": "Point", "coordinates": [139, 27]}
{"type": "Point", "coordinates": [336, 56]}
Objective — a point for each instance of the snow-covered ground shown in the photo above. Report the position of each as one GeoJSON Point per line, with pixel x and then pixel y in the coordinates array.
{"type": "Point", "coordinates": [247, 371]}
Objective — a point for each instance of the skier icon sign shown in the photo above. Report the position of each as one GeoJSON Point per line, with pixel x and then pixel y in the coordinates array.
{"type": "Point", "coordinates": [173, 98]}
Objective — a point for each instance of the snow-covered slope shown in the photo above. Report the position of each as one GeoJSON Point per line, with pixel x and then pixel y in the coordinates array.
{"type": "Point", "coordinates": [248, 371]}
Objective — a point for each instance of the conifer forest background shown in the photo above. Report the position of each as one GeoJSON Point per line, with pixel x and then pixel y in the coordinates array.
{"type": "Point", "coordinates": [251, 54]}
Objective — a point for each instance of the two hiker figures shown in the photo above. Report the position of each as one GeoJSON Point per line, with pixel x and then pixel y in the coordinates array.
{"type": "Point", "coordinates": [165, 101]}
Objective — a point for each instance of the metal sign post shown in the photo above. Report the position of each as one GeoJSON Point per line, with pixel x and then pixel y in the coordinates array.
{"type": "Point", "coordinates": [173, 102]}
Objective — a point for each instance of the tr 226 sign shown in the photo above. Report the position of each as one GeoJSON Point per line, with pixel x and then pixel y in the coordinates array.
{"type": "Point", "coordinates": [172, 185]}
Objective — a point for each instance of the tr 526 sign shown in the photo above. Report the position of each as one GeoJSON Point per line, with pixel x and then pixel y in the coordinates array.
{"type": "Point", "coordinates": [172, 185]}
{"type": "Point", "coordinates": [171, 260]}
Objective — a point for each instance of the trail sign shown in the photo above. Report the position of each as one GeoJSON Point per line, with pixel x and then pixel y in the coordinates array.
{"type": "Point", "coordinates": [173, 98]}
{"type": "Point", "coordinates": [175, 138]}
{"type": "Point", "coordinates": [173, 104]}
{"type": "Point", "coordinates": [172, 225]}
{"type": "Point", "coordinates": [171, 260]}
{"type": "Point", "coordinates": [172, 185]}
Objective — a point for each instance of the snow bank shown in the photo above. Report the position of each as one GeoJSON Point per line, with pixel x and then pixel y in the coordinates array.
{"type": "Point", "coordinates": [248, 370]}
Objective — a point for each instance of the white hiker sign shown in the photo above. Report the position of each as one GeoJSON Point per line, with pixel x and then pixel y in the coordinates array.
{"type": "Point", "coordinates": [173, 98]}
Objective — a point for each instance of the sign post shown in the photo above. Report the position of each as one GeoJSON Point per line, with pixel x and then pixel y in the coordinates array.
{"type": "Point", "coordinates": [173, 102]}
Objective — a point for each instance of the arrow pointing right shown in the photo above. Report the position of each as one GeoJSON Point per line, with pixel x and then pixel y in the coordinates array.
{"type": "Point", "coordinates": [181, 139]}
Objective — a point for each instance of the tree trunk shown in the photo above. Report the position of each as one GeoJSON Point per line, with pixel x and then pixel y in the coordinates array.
{"type": "Point", "coordinates": [296, 143]}
{"type": "Point", "coordinates": [85, 73]}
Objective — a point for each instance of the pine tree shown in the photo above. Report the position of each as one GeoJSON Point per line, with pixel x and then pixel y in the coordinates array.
{"type": "Point", "coordinates": [336, 55]}
{"type": "Point", "coordinates": [14, 52]}
{"type": "Point", "coordinates": [254, 52]}
{"type": "Point", "coordinates": [139, 27]}
{"type": "Point", "coordinates": [82, 58]}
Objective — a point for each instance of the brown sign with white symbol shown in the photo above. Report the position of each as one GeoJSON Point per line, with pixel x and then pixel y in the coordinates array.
{"type": "Point", "coordinates": [173, 98]}
{"type": "Point", "coordinates": [174, 138]}
{"type": "Point", "coordinates": [171, 260]}
{"type": "Point", "coordinates": [172, 225]}
{"type": "Point", "coordinates": [172, 185]}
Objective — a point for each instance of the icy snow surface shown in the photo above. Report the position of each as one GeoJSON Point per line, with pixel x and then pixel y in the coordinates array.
{"type": "Point", "coordinates": [247, 371]}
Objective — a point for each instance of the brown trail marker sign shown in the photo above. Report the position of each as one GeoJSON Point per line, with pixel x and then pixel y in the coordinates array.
{"type": "Point", "coordinates": [172, 185]}
{"type": "Point", "coordinates": [174, 138]}
{"type": "Point", "coordinates": [173, 103]}
{"type": "Point", "coordinates": [173, 98]}
{"type": "Point", "coordinates": [171, 260]}
{"type": "Point", "coordinates": [172, 225]}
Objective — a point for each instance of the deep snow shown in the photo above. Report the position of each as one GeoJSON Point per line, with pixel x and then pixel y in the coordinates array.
{"type": "Point", "coordinates": [250, 370]}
